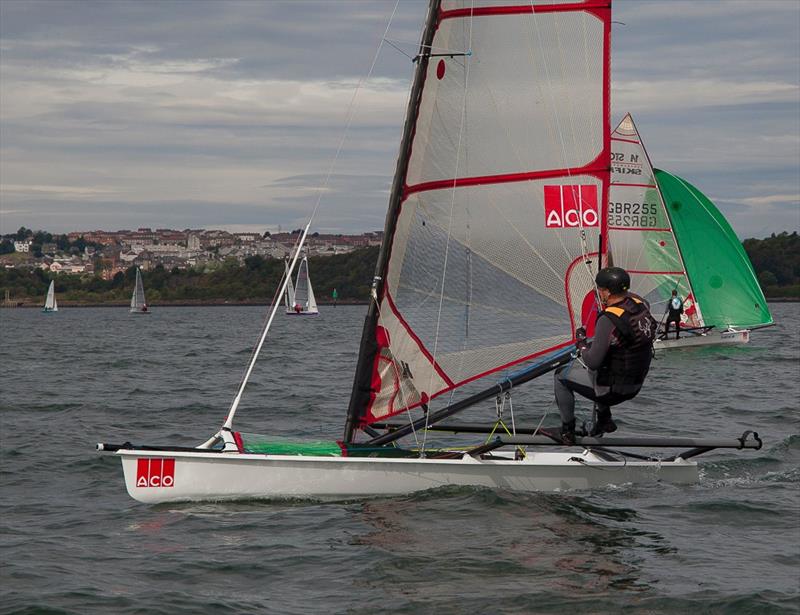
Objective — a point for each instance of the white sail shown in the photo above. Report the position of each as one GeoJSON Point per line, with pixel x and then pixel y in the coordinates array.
{"type": "Point", "coordinates": [312, 302]}
{"type": "Point", "coordinates": [303, 298]}
{"type": "Point", "coordinates": [499, 207]}
{"type": "Point", "coordinates": [289, 295]}
{"type": "Point", "coordinates": [640, 235]}
{"type": "Point", "coordinates": [138, 302]}
{"type": "Point", "coordinates": [50, 303]}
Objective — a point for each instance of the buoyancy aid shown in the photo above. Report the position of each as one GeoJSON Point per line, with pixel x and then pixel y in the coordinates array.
{"type": "Point", "coordinates": [628, 361]}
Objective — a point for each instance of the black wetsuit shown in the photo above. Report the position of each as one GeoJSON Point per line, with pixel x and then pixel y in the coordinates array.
{"type": "Point", "coordinates": [674, 315]}
{"type": "Point", "coordinates": [588, 377]}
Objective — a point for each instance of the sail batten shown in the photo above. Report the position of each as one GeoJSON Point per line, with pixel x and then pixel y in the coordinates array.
{"type": "Point", "coordinates": [500, 189]}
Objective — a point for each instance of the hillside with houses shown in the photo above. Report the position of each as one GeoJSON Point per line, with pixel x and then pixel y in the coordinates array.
{"type": "Point", "coordinates": [107, 253]}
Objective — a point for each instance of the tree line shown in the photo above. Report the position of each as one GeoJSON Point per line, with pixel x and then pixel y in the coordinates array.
{"type": "Point", "coordinates": [776, 260]}
{"type": "Point", "coordinates": [256, 280]}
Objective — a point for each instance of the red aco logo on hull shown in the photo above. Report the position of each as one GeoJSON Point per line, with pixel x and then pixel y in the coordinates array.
{"type": "Point", "coordinates": [155, 472]}
{"type": "Point", "coordinates": [570, 206]}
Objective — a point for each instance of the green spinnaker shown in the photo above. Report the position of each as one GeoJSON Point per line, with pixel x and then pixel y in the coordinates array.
{"type": "Point", "coordinates": [722, 277]}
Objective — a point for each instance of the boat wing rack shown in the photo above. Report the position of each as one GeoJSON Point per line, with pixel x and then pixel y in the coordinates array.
{"type": "Point", "coordinates": [542, 437]}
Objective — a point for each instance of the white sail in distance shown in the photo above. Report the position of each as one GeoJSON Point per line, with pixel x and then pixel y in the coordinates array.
{"type": "Point", "coordinates": [138, 302]}
{"type": "Point", "coordinates": [640, 235]}
{"type": "Point", "coordinates": [50, 303]}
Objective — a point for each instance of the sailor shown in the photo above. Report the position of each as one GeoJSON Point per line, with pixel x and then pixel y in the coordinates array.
{"type": "Point", "coordinates": [612, 368]}
{"type": "Point", "coordinates": [674, 311]}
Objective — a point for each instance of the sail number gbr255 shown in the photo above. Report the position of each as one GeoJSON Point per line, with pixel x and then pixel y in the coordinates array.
{"type": "Point", "coordinates": [633, 215]}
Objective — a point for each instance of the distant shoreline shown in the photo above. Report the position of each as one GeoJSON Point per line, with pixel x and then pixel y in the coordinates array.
{"type": "Point", "coordinates": [167, 304]}
{"type": "Point", "coordinates": [244, 303]}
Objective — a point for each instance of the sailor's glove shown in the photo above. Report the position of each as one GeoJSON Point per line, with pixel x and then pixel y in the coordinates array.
{"type": "Point", "coordinates": [580, 339]}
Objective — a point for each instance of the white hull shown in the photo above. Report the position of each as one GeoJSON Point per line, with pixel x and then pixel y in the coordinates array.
{"type": "Point", "coordinates": [230, 476]}
{"type": "Point", "coordinates": [712, 338]}
{"type": "Point", "coordinates": [301, 313]}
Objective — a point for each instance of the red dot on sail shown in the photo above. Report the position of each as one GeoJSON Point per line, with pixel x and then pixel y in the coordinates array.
{"type": "Point", "coordinates": [440, 69]}
{"type": "Point", "coordinates": [662, 243]}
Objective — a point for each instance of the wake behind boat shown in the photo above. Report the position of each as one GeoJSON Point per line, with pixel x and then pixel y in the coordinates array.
{"type": "Point", "coordinates": [497, 223]}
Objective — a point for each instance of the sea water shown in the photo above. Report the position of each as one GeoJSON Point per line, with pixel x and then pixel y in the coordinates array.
{"type": "Point", "coordinates": [73, 541]}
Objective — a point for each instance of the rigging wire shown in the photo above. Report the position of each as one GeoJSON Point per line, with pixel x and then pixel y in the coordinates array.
{"type": "Point", "coordinates": [322, 190]}
{"type": "Point", "coordinates": [450, 221]}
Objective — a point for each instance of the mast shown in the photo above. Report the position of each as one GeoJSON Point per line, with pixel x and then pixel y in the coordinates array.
{"type": "Point", "coordinates": [368, 348]}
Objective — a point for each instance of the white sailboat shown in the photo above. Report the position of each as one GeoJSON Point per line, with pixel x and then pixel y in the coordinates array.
{"type": "Point", "coordinates": [701, 258]}
{"type": "Point", "coordinates": [492, 239]}
{"type": "Point", "coordinates": [300, 300]}
{"type": "Point", "coordinates": [138, 302]}
{"type": "Point", "coordinates": [50, 303]}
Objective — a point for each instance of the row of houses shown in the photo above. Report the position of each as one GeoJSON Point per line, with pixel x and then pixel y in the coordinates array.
{"type": "Point", "coordinates": [147, 248]}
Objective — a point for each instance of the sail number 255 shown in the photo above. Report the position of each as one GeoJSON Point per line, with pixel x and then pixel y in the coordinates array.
{"type": "Point", "coordinates": [642, 215]}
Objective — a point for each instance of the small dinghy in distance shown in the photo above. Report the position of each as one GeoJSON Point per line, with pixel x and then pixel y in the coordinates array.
{"type": "Point", "coordinates": [300, 300]}
{"type": "Point", "coordinates": [483, 276]}
{"type": "Point", "coordinates": [50, 303]}
{"type": "Point", "coordinates": [138, 302]}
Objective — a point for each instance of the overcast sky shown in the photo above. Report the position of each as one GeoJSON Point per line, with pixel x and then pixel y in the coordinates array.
{"type": "Point", "coordinates": [209, 114]}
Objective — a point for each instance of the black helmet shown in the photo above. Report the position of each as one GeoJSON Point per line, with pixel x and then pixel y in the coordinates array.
{"type": "Point", "coordinates": [614, 279]}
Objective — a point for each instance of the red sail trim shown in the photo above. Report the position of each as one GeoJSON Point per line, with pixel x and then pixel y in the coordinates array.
{"type": "Point", "coordinates": [237, 437]}
{"type": "Point", "coordinates": [626, 140]}
{"type": "Point", "coordinates": [566, 286]}
{"type": "Point", "coordinates": [388, 296]}
{"type": "Point", "coordinates": [481, 11]}
{"type": "Point", "coordinates": [604, 14]}
{"type": "Point", "coordinates": [370, 418]}
{"type": "Point", "coordinates": [637, 228]}
{"type": "Point", "coordinates": [444, 184]}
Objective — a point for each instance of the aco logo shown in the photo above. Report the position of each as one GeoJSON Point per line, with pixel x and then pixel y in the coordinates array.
{"type": "Point", "coordinates": [155, 472]}
{"type": "Point", "coordinates": [570, 206]}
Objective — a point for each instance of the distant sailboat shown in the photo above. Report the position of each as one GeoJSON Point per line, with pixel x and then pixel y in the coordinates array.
{"type": "Point", "coordinates": [724, 283]}
{"type": "Point", "coordinates": [669, 236]}
{"type": "Point", "coordinates": [300, 300]}
{"type": "Point", "coordinates": [50, 304]}
{"type": "Point", "coordinates": [138, 303]}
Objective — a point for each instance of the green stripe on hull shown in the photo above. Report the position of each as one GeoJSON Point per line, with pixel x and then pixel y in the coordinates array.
{"type": "Point", "coordinates": [274, 445]}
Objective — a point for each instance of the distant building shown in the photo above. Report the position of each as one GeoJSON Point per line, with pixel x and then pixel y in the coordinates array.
{"type": "Point", "coordinates": [22, 246]}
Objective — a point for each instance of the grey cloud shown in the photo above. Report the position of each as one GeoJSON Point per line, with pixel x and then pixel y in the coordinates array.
{"type": "Point", "coordinates": [123, 114]}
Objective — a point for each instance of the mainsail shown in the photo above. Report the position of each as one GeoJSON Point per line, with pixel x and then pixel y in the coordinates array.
{"type": "Point", "coordinates": [138, 303]}
{"type": "Point", "coordinates": [303, 292]}
{"type": "Point", "coordinates": [289, 296]}
{"type": "Point", "coordinates": [640, 235]}
{"type": "Point", "coordinates": [492, 234]}
{"type": "Point", "coordinates": [723, 279]}
{"type": "Point", "coordinates": [50, 303]}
